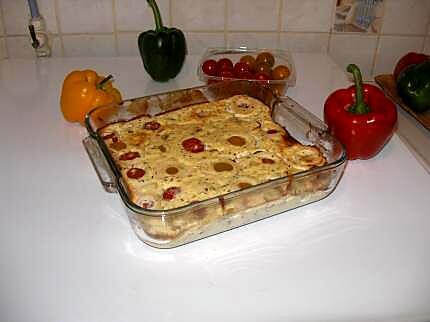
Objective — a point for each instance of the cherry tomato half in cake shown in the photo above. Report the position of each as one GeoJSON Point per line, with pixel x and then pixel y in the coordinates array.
{"type": "Point", "coordinates": [224, 63]}
{"type": "Point", "coordinates": [193, 145]}
{"type": "Point", "coordinates": [265, 57]}
{"type": "Point", "coordinates": [108, 136]}
{"type": "Point", "coordinates": [239, 68]}
{"type": "Point", "coordinates": [210, 68]}
{"type": "Point", "coordinates": [135, 173]}
{"type": "Point", "coordinates": [129, 156]}
{"type": "Point", "coordinates": [280, 72]}
{"type": "Point", "coordinates": [170, 193]}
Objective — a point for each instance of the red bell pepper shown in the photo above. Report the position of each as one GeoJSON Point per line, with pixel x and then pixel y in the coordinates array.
{"type": "Point", "coordinates": [407, 60]}
{"type": "Point", "coordinates": [361, 117]}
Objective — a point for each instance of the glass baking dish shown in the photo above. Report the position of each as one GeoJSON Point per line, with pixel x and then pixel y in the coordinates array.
{"type": "Point", "coordinates": [178, 226]}
{"type": "Point", "coordinates": [281, 57]}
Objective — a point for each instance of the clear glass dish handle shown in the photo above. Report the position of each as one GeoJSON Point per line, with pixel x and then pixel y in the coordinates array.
{"type": "Point", "coordinates": [100, 164]}
{"type": "Point", "coordinates": [301, 113]}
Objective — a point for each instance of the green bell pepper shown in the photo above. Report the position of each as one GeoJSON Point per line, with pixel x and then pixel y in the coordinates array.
{"type": "Point", "coordinates": [163, 49]}
{"type": "Point", "coordinates": [413, 86]}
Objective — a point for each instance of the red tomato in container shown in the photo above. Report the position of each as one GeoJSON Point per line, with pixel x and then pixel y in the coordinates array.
{"type": "Point", "coordinates": [224, 63]}
{"type": "Point", "coordinates": [240, 67]}
{"type": "Point", "coordinates": [209, 67]}
{"type": "Point", "coordinates": [262, 76]}
{"type": "Point", "coordinates": [262, 68]}
{"type": "Point", "coordinates": [280, 72]}
{"type": "Point", "coordinates": [265, 58]}
{"type": "Point", "coordinates": [249, 60]}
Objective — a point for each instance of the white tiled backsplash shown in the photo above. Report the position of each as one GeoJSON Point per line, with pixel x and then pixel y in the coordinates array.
{"type": "Point", "coordinates": [111, 27]}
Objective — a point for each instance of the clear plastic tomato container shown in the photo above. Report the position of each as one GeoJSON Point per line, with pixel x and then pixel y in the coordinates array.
{"type": "Point", "coordinates": [282, 57]}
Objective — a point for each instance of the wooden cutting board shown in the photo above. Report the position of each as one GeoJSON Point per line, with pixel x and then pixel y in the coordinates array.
{"type": "Point", "coordinates": [388, 85]}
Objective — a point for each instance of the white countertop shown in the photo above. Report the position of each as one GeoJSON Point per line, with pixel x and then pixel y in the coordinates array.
{"type": "Point", "coordinates": [68, 252]}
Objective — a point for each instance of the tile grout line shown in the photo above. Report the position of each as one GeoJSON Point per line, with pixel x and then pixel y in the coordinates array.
{"type": "Point", "coordinates": [4, 36]}
{"type": "Point", "coordinates": [423, 46]}
{"type": "Point", "coordinates": [427, 36]}
{"type": "Point", "coordinates": [377, 48]}
{"type": "Point", "coordinates": [59, 32]}
{"type": "Point", "coordinates": [375, 53]}
{"type": "Point", "coordinates": [226, 7]}
{"type": "Point", "coordinates": [280, 22]}
{"type": "Point", "coordinates": [305, 32]}
{"type": "Point", "coordinates": [170, 13]}
{"type": "Point", "coordinates": [220, 31]}
{"type": "Point", "coordinates": [201, 31]}
{"type": "Point", "coordinates": [332, 20]}
{"type": "Point", "coordinates": [247, 31]}
{"type": "Point", "coordinates": [382, 34]}
{"type": "Point", "coordinates": [115, 32]}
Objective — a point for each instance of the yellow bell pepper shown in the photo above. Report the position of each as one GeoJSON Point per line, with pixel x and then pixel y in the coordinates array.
{"type": "Point", "coordinates": [84, 90]}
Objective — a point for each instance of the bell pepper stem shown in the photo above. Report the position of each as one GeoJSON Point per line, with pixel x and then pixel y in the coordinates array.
{"type": "Point", "coordinates": [104, 81]}
{"type": "Point", "coordinates": [360, 107]}
{"type": "Point", "coordinates": [157, 15]}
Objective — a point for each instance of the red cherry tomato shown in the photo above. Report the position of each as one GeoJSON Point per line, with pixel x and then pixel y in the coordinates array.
{"type": "Point", "coordinates": [209, 67]}
{"type": "Point", "coordinates": [146, 203]}
{"type": "Point", "coordinates": [226, 73]}
{"type": "Point", "coordinates": [108, 136]}
{"type": "Point", "coordinates": [129, 156]}
{"type": "Point", "coordinates": [135, 173]}
{"type": "Point", "coordinates": [240, 67]}
{"type": "Point", "coordinates": [262, 68]}
{"type": "Point", "coordinates": [193, 145]}
{"type": "Point", "coordinates": [246, 75]}
{"type": "Point", "coordinates": [265, 57]}
{"type": "Point", "coordinates": [224, 63]}
{"type": "Point", "coordinates": [249, 60]}
{"type": "Point", "coordinates": [280, 72]}
{"type": "Point", "coordinates": [171, 193]}
{"type": "Point", "coordinates": [262, 76]}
